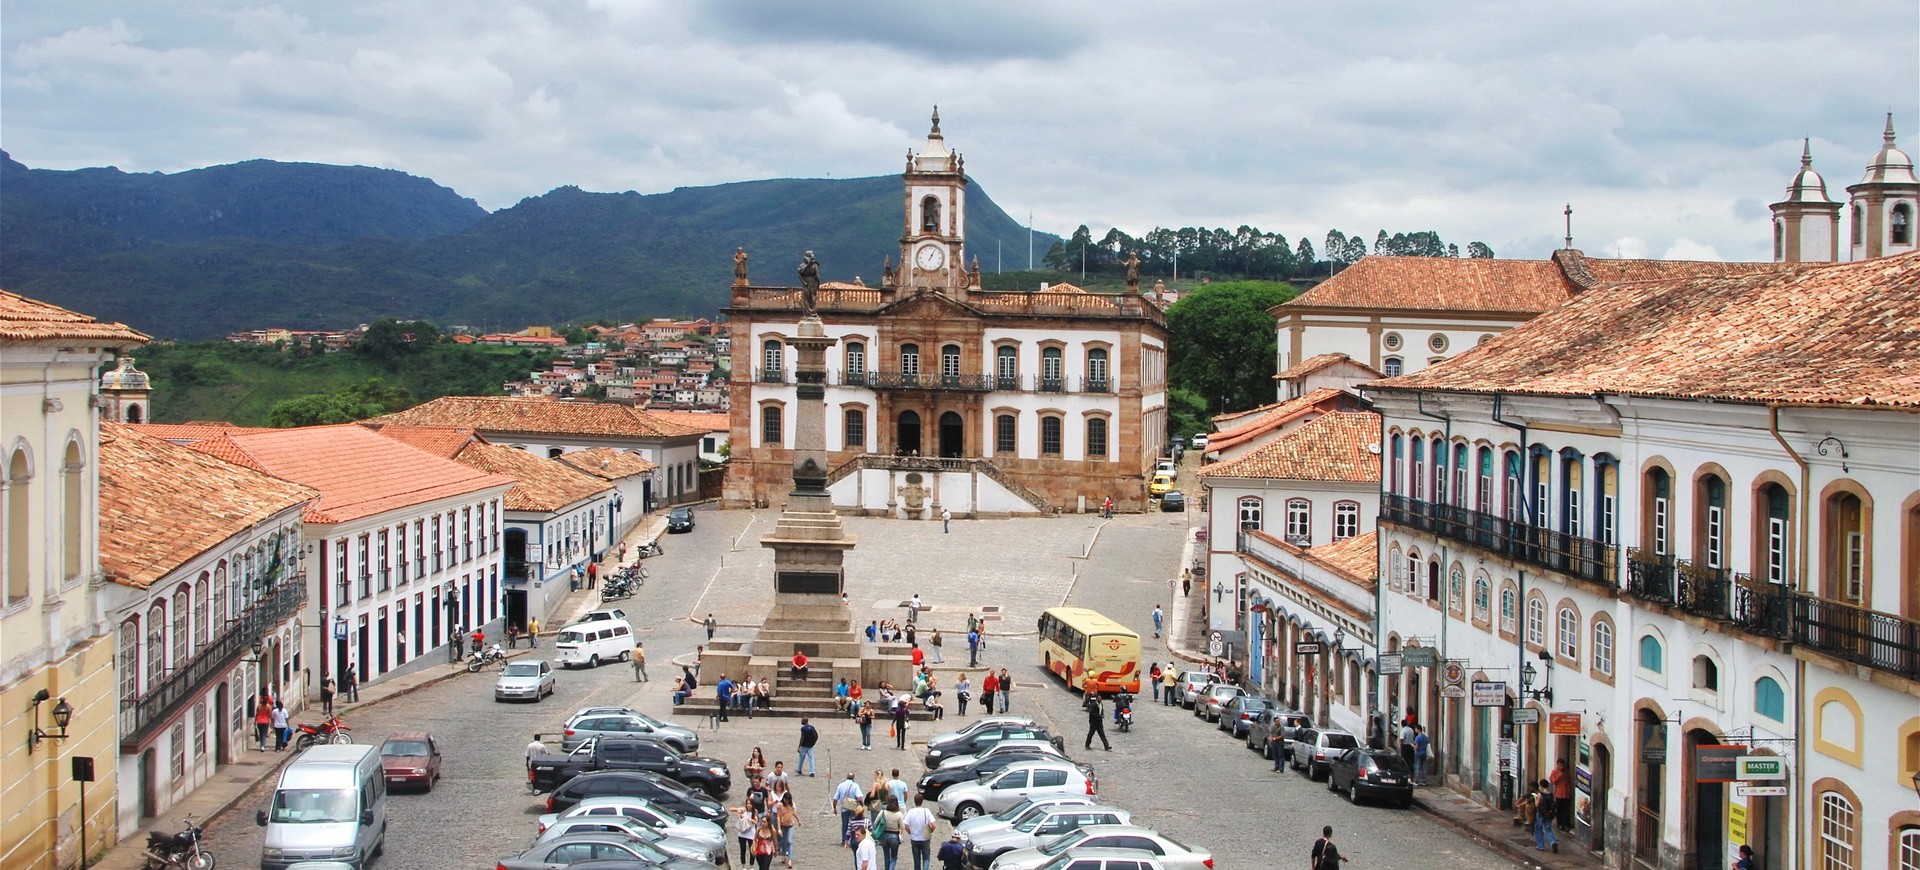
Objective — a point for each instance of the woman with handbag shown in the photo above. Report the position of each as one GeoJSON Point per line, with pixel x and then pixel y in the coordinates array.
{"type": "Point", "coordinates": [764, 845]}
{"type": "Point", "coordinates": [888, 825]}
{"type": "Point", "coordinates": [789, 818]}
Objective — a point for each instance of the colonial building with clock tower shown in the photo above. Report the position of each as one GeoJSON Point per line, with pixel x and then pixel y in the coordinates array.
{"type": "Point", "coordinates": [944, 396]}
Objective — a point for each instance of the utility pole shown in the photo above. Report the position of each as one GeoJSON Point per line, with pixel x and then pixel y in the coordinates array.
{"type": "Point", "coordinates": [1029, 240]}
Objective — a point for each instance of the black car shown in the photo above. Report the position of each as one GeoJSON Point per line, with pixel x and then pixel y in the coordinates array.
{"type": "Point", "coordinates": [983, 739]}
{"type": "Point", "coordinates": [1174, 501]}
{"type": "Point", "coordinates": [661, 791]}
{"type": "Point", "coordinates": [1372, 773]}
{"type": "Point", "coordinates": [936, 781]}
{"type": "Point", "coordinates": [645, 753]}
{"type": "Point", "coordinates": [679, 520]}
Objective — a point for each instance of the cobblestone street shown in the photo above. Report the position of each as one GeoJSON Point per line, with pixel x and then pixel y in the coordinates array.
{"type": "Point", "coordinates": [1173, 771]}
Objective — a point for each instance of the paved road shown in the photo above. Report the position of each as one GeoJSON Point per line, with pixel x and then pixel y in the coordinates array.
{"type": "Point", "coordinates": [1176, 773]}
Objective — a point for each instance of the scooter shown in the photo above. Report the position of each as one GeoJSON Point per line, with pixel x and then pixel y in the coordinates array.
{"type": "Point", "coordinates": [614, 590]}
{"type": "Point", "coordinates": [1123, 711]}
{"type": "Point", "coordinates": [176, 851]}
{"type": "Point", "coordinates": [331, 731]}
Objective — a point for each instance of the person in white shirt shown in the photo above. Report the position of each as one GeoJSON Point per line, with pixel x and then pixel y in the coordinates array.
{"type": "Point", "coordinates": [845, 798]}
{"type": "Point", "coordinates": [919, 824]}
{"type": "Point", "coordinates": [535, 748]}
{"type": "Point", "coordinates": [865, 856]}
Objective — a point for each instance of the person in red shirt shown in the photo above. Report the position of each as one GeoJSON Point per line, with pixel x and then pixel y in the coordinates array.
{"type": "Point", "coordinates": [799, 665]}
{"type": "Point", "coordinates": [1562, 783]}
{"type": "Point", "coordinates": [919, 656]}
{"type": "Point", "coordinates": [479, 639]}
{"type": "Point", "coordinates": [988, 686]}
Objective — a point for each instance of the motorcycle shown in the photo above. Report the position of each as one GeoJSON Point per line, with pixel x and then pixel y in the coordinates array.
{"type": "Point", "coordinates": [633, 575]}
{"type": "Point", "coordinates": [1123, 711]}
{"type": "Point", "coordinates": [615, 590]}
{"type": "Point", "coordinates": [331, 731]}
{"type": "Point", "coordinates": [480, 659]}
{"type": "Point", "coordinates": [180, 851]}
{"type": "Point", "coordinates": [650, 548]}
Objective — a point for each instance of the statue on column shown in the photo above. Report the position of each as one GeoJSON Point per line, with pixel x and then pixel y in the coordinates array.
{"type": "Point", "coordinates": [973, 277]}
{"type": "Point", "coordinates": [809, 282]}
{"type": "Point", "coordinates": [739, 267]}
{"type": "Point", "coordinates": [886, 272]}
{"type": "Point", "coordinates": [1133, 272]}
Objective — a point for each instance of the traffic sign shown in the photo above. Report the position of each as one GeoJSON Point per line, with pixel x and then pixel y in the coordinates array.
{"type": "Point", "coordinates": [1216, 645]}
{"type": "Point", "coordinates": [1760, 767]}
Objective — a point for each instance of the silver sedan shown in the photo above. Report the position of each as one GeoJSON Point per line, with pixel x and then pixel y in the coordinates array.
{"type": "Point", "coordinates": [524, 681]}
{"type": "Point", "coordinates": [1173, 855]}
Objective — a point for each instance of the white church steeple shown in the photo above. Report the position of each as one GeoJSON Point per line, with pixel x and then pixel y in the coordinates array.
{"type": "Point", "coordinates": [933, 242]}
{"type": "Point", "coordinates": [1806, 225]}
{"type": "Point", "coordinates": [1885, 203]}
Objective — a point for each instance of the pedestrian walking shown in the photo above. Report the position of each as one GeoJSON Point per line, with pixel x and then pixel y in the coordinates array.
{"type": "Point", "coordinates": [1406, 743]}
{"type": "Point", "coordinates": [933, 640]}
{"type": "Point", "coordinates": [280, 729]}
{"type": "Point", "coordinates": [1157, 617]}
{"type": "Point", "coordinates": [1420, 744]}
{"type": "Point", "coordinates": [535, 749]}
{"type": "Point", "coordinates": [1186, 582]}
{"type": "Point", "coordinates": [513, 636]}
{"type": "Point", "coordinates": [326, 695]}
{"type": "Point", "coordinates": [1096, 719]}
{"type": "Point", "coordinates": [973, 646]}
{"type": "Point", "coordinates": [788, 817]}
{"type": "Point", "coordinates": [639, 662]}
{"type": "Point", "coordinates": [593, 574]}
{"type": "Point", "coordinates": [865, 856]}
{"type": "Point", "coordinates": [846, 799]}
{"type": "Point", "coordinates": [1006, 691]}
{"type": "Point", "coordinates": [809, 736]}
{"type": "Point", "coordinates": [1546, 811]}
{"type": "Point", "coordinates": [1169, 678]}
{"type": "Point", "coordinates": [262, 720]}
{"type": "Point", "coordinates": [1326, 856]}
{"type": "Point", "coordinates": [920, 823]}
{"type": "Point", "coordinates": [1106, 509]}
{"type": "Point", "coordinates": [864, 718]}
{"type": "Point", "coordinates": [533, 632]}
{"type": "Point", "coordinates": [766, 844]}
{"type": "Point", "coordinates": [744, 826]}
{"type": "Point", "coordinates": [350, 684]}
{"type": "Point", "coordinates": [989, 688]}
{"type": "Point", "coordinates": [946, 525]}
{"type": "Point", "coordinates": [962, 691]}
{"type": "Point", "coordinates": [953, 853]}
{"type": "Point", "coordinates": [723, 694]}
{"type": "Point", "coordinates": [623, 553]}
{"type": "Point", "coordinates": [900, 711]}
{"type": "Point", "coordinates": [711, 624]}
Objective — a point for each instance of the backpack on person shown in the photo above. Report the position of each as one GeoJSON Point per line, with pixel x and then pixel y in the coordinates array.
{"type": "Point", "coordinates": [1326, 856]}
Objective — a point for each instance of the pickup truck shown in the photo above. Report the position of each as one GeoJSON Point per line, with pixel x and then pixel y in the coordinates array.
{"type": "Point", "coordinates": [547, 772]}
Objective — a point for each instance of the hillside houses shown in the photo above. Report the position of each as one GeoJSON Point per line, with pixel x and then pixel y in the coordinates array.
{"type": "Point", "coordinates": [663, 363]}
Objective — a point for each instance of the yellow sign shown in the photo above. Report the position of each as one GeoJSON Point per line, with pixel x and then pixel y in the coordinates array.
{"type": "Point", "coordinates": [1737, 823]}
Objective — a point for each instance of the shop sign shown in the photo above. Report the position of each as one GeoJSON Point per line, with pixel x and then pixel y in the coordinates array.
{"type": "Point", "coordinates": [1766, 767]}
{"type": "Point", "coordinates": [1420, 656]}
{"type": "Point", "coordinates": [1716, 763]}
{"type": "Point", "coordinates": [1564, 723]}
{"type": "Point", "coordinates": [1489, 693]}
{"type": "Point", "coordinates": [1526, 716]}
{"type": "Point", "coordinates": [1307, 648]}
{"type": "Point", "coordinates": [1390, 664]}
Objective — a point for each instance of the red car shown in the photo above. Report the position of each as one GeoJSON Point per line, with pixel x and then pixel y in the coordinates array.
{"type": "Point", "coordinates": [411, 758]}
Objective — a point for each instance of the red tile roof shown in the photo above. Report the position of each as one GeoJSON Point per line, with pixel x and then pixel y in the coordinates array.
{"type": "Point", "coordinates": [187, 433]}
{"type": "Point", "coordinates": [1841, 334]}
{"type": "Point", "coordinates": [1317, 401]}
{"type": "Point", "coordinates": [1338, 446]}
{"type": "Point", "coordinates": [30, 320]}
{"type": "Point", "coordinates": [1357, 557]}
{"type": "Point", "coordinates": [358, 472]}
{"type": "Point", "coordinates": [542, 485]}
{"type": "Point", "coordinates": [442, 441]}
{"type": "Point", "coordinates": [608, 463]}
{"type": "Point", "coordinates": [162, 504]}
{"type": "Point", "coordinates": [1509, 286]}
{"type": "Point", "coordinates": [705, 420]}
{"type": "Point", "coordinates": [538, 415]}
{"type": "Point", "coordinates": [1320, 362]}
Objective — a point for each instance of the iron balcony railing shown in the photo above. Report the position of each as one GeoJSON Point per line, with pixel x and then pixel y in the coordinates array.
{"type": "Point", "coordinates": [1760, 607]}
{"type": "Point", "coordinates": [1572, 555]}
{"type": "Point", "coordinates": [518, 569]}
{"type": "Point", "coordinates": [904, 380]}
{"type": "Point", "coordinates": [769, 376]}
{"type": "Point", "coordinates": [1650, 576]}
{"type": "Point", "coordinates": [1878, 640]}
{"type": "Point", "coordinates": [139, 717]}
{"type": "Point", "coordinates": [1679, 583]}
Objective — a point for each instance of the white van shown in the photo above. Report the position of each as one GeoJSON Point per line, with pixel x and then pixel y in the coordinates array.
{"type": "Point", "coordinates": [330, 805]}
{"type": "Point", "coordinates": [590, 643]}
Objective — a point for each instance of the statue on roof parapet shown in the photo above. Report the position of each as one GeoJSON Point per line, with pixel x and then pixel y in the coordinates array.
{"type": "Point", "coordinates": [739, 267]}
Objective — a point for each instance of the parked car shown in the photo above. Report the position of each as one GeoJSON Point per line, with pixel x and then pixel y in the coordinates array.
{"type": "Point", "coordinates": [524, 680]}
{"type": "Point", "coordinates": [1177, 442]}
{"type": "Point", "coordinates": [1161, 484]}
{"type": "Point", "coordinates": [982, 739]}
{"type": "Point", "coordinates": [977, 725]}
{"type": "Point", "coordinates": [1012, 785]}
{"type": "Point", "coordinates": [588, 823]}
{"type": "Point", "coordinates": [1174, 501]}
{"type": "Point", "coordinates": [998, 758]}
{"type": "Point", "coordinates": [411, 758]}
{"type": "Point", "coordinates": [1099, 858]}
{"type": "Point", "coordinates": [630, 753]}
{"type": "Point", "coordinates": [1372, 773]}
{"type": "Point", "coordinates": [592, 722]}
{"type": "Point", "coordinates": [1314, 750]}
{"type": "Point", "coordinates": [658, 790]}
{"type": "Point", "coordinates": [666, 822]}
{"type": "Point", "coordinates": [1013, 814]}
{"type": "Point", "coordinates": [1172, 854]}
{"type": "Point", "coordinates": [1241, 711]}
{"type": "Point", "coordinates": [600, 613]}
{"type": "Point", "coordinates": [1168, 467]}
{"type": "Point", "coordinates": [576, 848]}
{"type": "Point", "coordinates": [1190, 684]}
{"type": "Point", "coordinates": [1039, 827]}
{"type": "Point", "coordinates": [679, 520]}
{"type": "Point", "coordinates": [1211, 703]}
{"type": "Point", "coordinates": [1198, 441]}
{"type": "Point", "coordinates": [1049, 746]}
{"type": "Point", "coordinates": [1260, 730]}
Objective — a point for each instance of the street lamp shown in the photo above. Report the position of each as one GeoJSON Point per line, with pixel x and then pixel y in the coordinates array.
{"type": "Point", "coordinates": [1527, 675]}
{"type": "Point", "coordinates": [62, 714]}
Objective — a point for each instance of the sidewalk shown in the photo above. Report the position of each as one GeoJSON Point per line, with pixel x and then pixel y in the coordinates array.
{"type": "Point", "coordinates": [1495, 829]}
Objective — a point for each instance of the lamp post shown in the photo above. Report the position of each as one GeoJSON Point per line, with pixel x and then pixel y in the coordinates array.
{"type": "Point", "coordinates": [62, 713]}
{"type": "Point", "coordinates": [1527, 675]}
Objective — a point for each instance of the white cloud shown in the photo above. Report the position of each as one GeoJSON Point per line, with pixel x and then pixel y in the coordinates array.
{"type": "Point", "coordinates": [1668, 127]}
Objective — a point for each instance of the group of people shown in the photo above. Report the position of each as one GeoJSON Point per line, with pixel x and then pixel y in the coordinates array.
{"type": "Point", "coordinates": [1415, 746]}
{"type": "Point", "coordinates": [1547, 807]}
{"type": "Point", "coordinates": [749, 695]}
{"type": "Point", "coordinates": [765, 819]}
{"type": "Point", "coordinates": [874, 821]}
{"type": "Point", "coordinates": [349, 688]}
{"type": "Point", "coordinates": [270, 715]}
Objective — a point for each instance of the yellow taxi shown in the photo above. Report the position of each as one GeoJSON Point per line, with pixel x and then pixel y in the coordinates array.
{"type": "Point", "coordinates": [1161, 484]}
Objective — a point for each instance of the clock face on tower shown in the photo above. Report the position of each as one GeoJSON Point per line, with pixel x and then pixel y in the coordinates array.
{"type": "Point", "coordinates": [929, 257]}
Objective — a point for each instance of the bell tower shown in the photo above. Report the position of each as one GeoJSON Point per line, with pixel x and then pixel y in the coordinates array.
{"type": "Point", "coordinates": [934, 238]}
{"type": "Point", "coordinates": [1886, 203]}
{"type": "Point", "coordinates": [1806, 225]}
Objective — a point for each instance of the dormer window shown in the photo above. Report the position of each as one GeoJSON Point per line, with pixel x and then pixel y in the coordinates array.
{"type": "Point", "coordinates": [930, 214]}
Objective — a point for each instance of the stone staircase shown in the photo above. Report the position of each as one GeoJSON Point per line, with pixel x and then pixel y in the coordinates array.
{"type": "Point", "coordinates": [929, 464]}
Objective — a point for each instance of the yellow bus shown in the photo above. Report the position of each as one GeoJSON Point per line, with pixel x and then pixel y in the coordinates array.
{"type": "Point", "coordinates": [1082, 646]}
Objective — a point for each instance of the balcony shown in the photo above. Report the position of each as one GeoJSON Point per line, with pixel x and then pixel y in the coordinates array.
{"type": "Point", "coordinates": [771, 376]}
{"type": "Point", "coordinates": [905, 380]}
{"type": "Point", "coordinates": [1878, 640]}
{"type": "Point", "coordinates": [1571, 555]}
{"type": "Point", "coordinates": [1096, 385]}
{"type": "Point", "coordinates": [139, 717]}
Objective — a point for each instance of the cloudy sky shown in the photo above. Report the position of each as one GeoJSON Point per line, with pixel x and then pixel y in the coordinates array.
{"type": "Point", "coordinates": [1668, 126]}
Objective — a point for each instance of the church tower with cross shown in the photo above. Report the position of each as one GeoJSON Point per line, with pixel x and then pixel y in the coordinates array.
{"type": "Point", "coordinates": [933, 240]}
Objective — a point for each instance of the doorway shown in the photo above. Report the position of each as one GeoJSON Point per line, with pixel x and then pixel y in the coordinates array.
{"type": "Point", "coordinates": [385, 659]}
{"type": "Point", "coordinates": [906, 434]}
{"type": "Point", "coordinates": [1649, 792]}
{"type": "Point", "coordinates": [149, 784]}
{"type": "Point", "coordinates": [952, 436]}
{"type": "Point", "coordinates": [1707, 814]}
{"type": "Point", "coordinates": [222, 732]}
{"type": "Point", "coordinates": [1599, 780]}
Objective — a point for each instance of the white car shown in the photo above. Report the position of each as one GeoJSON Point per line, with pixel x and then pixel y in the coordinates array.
{"type": "Point", "coordinates": [1039, 826]}
{"type": "Point", "coordinates": [643, 811]}
{"type": "Point", "coordinates": [1010, 786]}
{"type": "Point", "coordinates": [1173, 854]}
{"type": "Point", "coordinates": [953, 761]}
{"type": "Point", "coordinates": [1199, 441]}
{"type": "Point", "coordinates": [1168, 468]}
{"type": "Point", "coordinates": [1013, 814]}
{"type": "Point", "coordinates": [679, 847]}
{"type": "Point", "coordinates": [524, 680]}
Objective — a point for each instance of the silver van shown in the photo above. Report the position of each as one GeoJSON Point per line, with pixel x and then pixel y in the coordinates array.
{"type": "Point", "coordinates": [330, 805]}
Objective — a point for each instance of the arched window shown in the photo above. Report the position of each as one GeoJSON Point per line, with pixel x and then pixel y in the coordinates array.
{"type": "Point", "coordinates": [1846, 548]}
{"type": "Point", "coordinates": [1909, 848]}
{"type": "Point", "coordinates": [555, 453]}
{"type": "Point", "coordinates": [1660, 508]}
{"type": "Point", "coordinates": [1460, 475]}
{"type": "Point", "coordinates": [1706, 674]}
{"type": "Point", "coordinates": [1096, 437]}
{"type": "Point", "coordinates": [220, 614]}
{"type": "Point", "coordinates": [1439, 471]}
{"type": "Point", "coordinates": [1859, 225]}
{"type": "Point", "coordinates": [1250, 510]}
{"type": "Point", "coordinates": [1007, 367]}
{"type": "Point", "coordinates": [1779, 240]}
{"type": "Point", "coordinates": [1050, 428]}
{"type": "Point", "coordinates": [19, 512]}
{"type": "Point", "coordinates": [1416, 573]}
{"type": "Point", "coordinates": [1417, 471]}
{"type": "Point", "coordinates": [156, 643]}
{"type": "Point", "coordinates": [930, 214]}
{"type": "Point", "coordinates": [1005, 434]}
{"type": "Point", "coordinates": [1392, 366]}
{"type": "Point", "coordinates": [1514, 486]}
{"type": "Point", "coordinates": [1346, 519]}
{"type": "Point", "coordinates": [1397, 450]}
{"type": "Point", "coordinates": [182, 627]}
{"type": "Point", "coordinates": [1839, 833]}
{"type": "Point", "coordinates": [1536, 621]}
{"type": "Point", "coordinates": [1299, 521]}
{"type": "Point", "coordinates": [1484, 492]}
{"type": "Point", "coordinates": [910, 360]}
{"type": "Point", "coordinates": [133, 414]}
{"type": "Point", "coordinates": [855, 429]}
{"type": "Point", "coordinates": [1482, 598]}
{"type": "Point", "coordinates": [130, 659]}
{"type": "Point", "coordinates": [950, 364]}
{"type": "Point", "coordinates": [1457, 589]}
{"type": "Point", "coordinates": [1769, 699]}
{"type": "Point", "coordinates": [1051, 377]}
{"type": "Point", "coordinates": [1603, 647]}
{"type": "Point", "coordinates": [1607, 517]}
{"type": "Point", "coordinates": [1509, 609]}
{"type": "Point", "coordinates": [856, 364]}
{"type": "Point", "coordinates": [1900, 226]}
{"type": "Point", "coordinates": [1712, 522]}
{"type": "Point", "coordinates": [772, 362]}
{"type": "Point", "coordinates": [1097, 370]}
{"type": "Point", "coordinates": [1572, 509]}
{"type": "Point", "coordinates": [770, 426]}
{"type": "Point", "coordinates": [1776, 508]}
{"type": "Point", "coordinates": [1569, 634]}
{"type": "Point", "coordinates": [73, 519]}
{"type": "Point", "coordinates": [203, 631]}
{"type": "Point", "coordinates": [1653, 657]}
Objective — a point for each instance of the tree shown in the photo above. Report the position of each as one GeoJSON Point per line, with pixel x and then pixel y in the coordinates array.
{"type": "Point", "coordinates": [1479, 251]}
{"type": "Point", "coordinates": [1303, 258]}
{"type": "Point", "coordinates": [1186, 412]}
{"type": "Point", "coordinates": [389, 341]}
{"type": "Point", "coordinates": [319, 410]}
{"type": "Point", "coordinates": [378, 393]}
{"type": "Point", "coordinates": [1222, 343]}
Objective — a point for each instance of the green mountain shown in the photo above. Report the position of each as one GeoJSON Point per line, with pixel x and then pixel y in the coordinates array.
{"type": "Point", "coordinates": [336, 246]}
